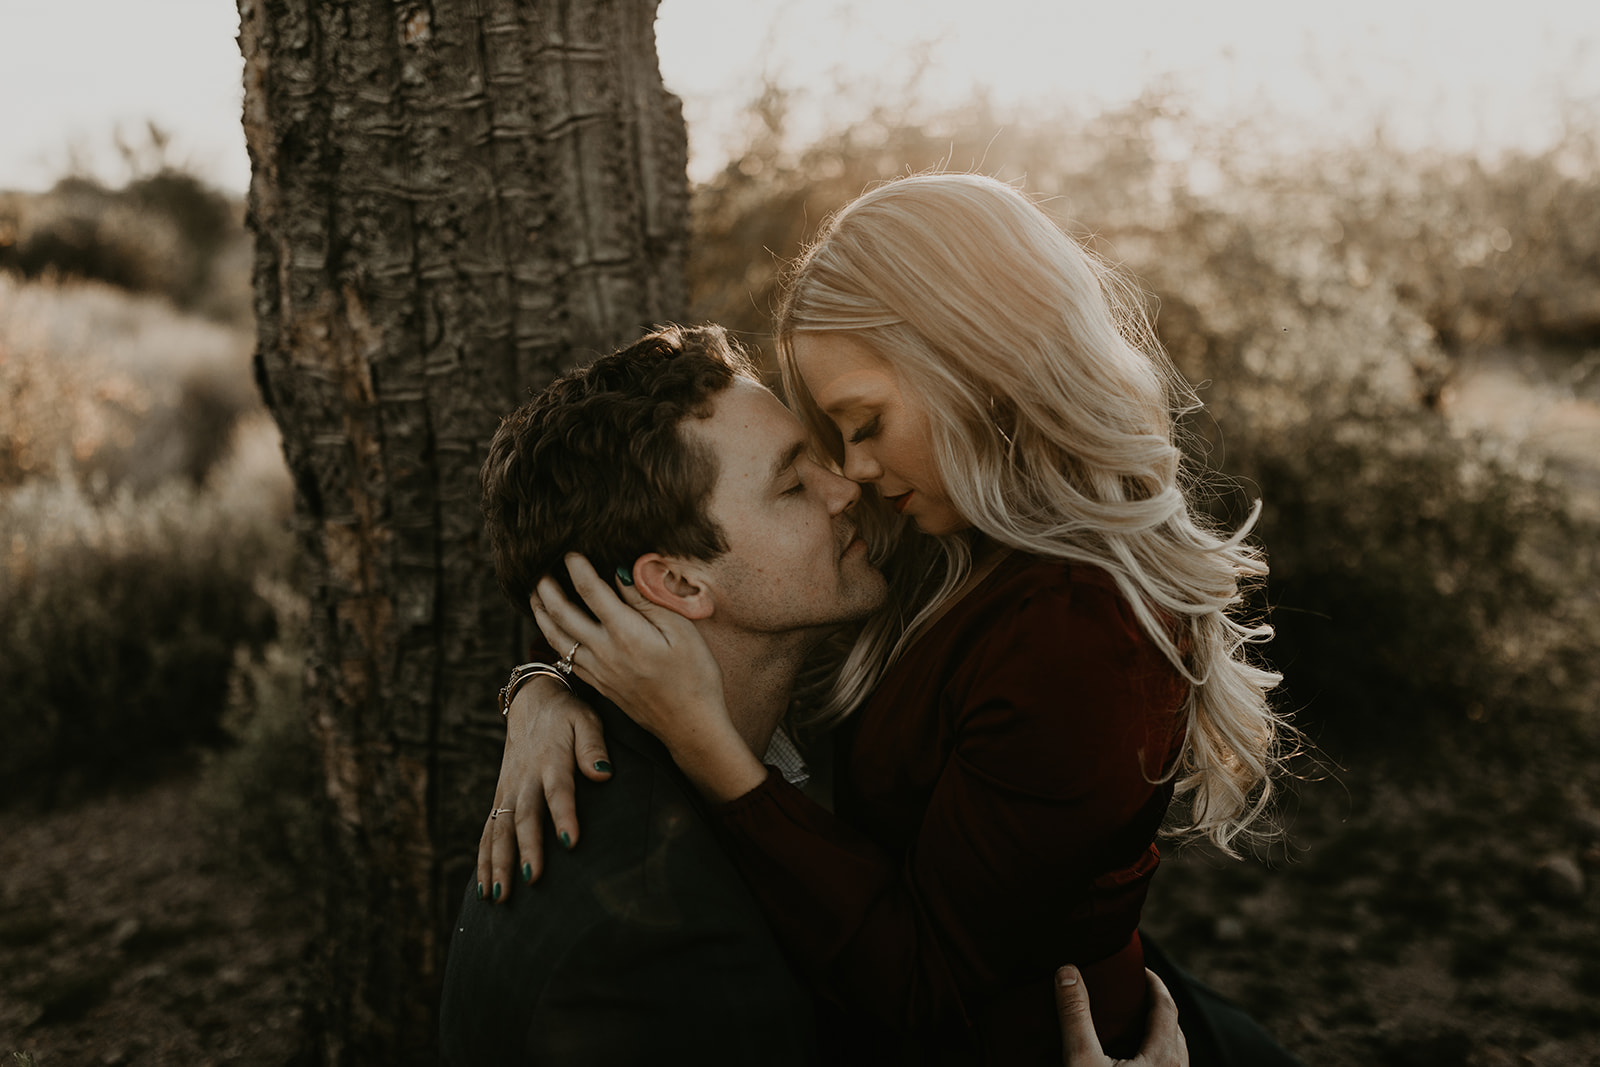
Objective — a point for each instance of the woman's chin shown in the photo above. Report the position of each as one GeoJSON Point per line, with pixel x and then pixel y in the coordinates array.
{"type": "Point", "coordinates": [936, 525]}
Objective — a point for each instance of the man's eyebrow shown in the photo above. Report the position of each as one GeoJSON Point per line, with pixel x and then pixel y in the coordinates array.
{"type": "Point", "coordinates": [786, 460]}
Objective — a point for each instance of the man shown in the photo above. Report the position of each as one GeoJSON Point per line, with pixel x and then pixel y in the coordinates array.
{"type": "Point", "coordinates": [669, 462]}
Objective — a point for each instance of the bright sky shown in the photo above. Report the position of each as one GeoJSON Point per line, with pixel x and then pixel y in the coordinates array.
{"type": "Point", "coordinates": [1463, 74]}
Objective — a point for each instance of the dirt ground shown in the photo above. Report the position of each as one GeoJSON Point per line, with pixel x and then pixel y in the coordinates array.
{"type": "Point", "coordinates": [122, 941]}
{"type": "Point", "coordinates": [1444, 914]}
{"type": "Point", "coordinates": [1440, 911]}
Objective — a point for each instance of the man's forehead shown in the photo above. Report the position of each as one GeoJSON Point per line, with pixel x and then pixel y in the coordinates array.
{"type": "Point", "coordinates": [746, 404]}
{"type": "Point", "coordinates": [748, 427]}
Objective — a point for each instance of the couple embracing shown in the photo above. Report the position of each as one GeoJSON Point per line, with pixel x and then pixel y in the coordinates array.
{"type": "Point", "coordinates": [966, 560]}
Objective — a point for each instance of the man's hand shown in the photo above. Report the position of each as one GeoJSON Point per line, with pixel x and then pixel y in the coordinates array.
{"type": "Point", "coordinates": [1164, 1045]}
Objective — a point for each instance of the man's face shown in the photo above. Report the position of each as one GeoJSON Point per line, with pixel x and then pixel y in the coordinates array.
{"type": "Point", "coordinates": [793, 560]}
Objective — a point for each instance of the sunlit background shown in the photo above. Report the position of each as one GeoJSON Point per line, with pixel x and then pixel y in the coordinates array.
{"type": "Point", "coordinates": [1478, 76]}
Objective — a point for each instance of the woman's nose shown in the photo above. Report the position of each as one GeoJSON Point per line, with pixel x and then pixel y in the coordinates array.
{"type": "Point", "coordinates": [859, 466]}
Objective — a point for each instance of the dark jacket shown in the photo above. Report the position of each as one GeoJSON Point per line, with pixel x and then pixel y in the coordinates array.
{"type": "Point", "coordinates": [640, 946]}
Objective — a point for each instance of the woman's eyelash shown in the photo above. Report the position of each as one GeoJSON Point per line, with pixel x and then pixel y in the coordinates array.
{"type": "Point", "coordinates": [795, 489]}
{"type": "Point", "coordinates": [865, 431]}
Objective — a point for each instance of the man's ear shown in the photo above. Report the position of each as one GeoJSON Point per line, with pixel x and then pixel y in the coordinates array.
{"type": "Point", "coordinates": [672, 583]}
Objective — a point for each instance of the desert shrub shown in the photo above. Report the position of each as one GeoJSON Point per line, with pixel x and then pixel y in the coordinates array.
{"type": "Point", "coordinates": [1479, 253]}
{"type": "Point", "coordinates": [1408, 589]}
{"type": "Point", "coordinates": [121, 619]}
{"type": "Point", "coordinates": [205, 221]}
{"type": "Point", "coordinates": [258, 792]}
{"type": "Point", "coordinates": [164, 233]}
{"type": "Point", "coordinates": [143, 499]}
{"type": "Point", "coordinates": [83, 230]}
{"type": "Point", "coordinates": [1485, 254]}
{"type": "Point", "coordinates": [1418, 573]}
{"type": "Point", "coordinates": [258, 795]}
{"type": "Point", "coordinates": [114, 389]}
{"type": "Point", "coordinates": [756, 214]}
{"type": "Point", "coordinates": [1420, 577]}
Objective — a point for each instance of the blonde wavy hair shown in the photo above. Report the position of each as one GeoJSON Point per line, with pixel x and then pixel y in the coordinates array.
{"type": "Point", "coordinates": [1053, 412]}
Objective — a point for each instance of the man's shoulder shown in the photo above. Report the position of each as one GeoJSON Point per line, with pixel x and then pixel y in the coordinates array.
{"type": "Point", "coordinates": [643, 912]}
{"type": "Point", "coordinates": [643, 841]}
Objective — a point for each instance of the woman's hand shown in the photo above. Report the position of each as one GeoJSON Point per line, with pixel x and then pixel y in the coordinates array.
{"type": "Point", "coordinates": [1164, 1044]}
{"type": "Point", "coordinates": [653, 664]}
{"type": "Point", "coordinates": [648, 660]}
{"type": "Point", "coordinates": [547, 729]}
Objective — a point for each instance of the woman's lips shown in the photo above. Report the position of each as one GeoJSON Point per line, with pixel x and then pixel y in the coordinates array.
{"type": "Point", "coordinates": [899, 502]}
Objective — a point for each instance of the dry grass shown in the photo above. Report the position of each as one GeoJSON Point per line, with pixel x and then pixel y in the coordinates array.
{"type": "Point", "coordinates": [142, 497]}
{"type": "Point", "coordinates": [109, 388]}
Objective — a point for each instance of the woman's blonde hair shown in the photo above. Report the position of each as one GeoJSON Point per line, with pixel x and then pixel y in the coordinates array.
{"type": "Point", "coordinates": [1052, 412]}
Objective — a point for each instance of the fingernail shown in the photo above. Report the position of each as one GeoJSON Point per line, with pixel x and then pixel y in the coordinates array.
{"type": "Point", "coordinates": [497, 891]}
{"type": "Point", "coordinates": [566, 839]}
{"type": "Point", "coordinates": [480, 890]}
{"type": "Point", "coordinates": [1066, 978]}
{"type": "Point", "coordinates": [603, 766]}
{"type": "Point", "coordinates": [625, 576]}
{"type": "Point", "coordinates": [527, 872]}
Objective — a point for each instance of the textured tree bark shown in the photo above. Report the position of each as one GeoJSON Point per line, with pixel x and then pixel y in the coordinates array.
{"type": "Point", "coordinates": [452, 202]}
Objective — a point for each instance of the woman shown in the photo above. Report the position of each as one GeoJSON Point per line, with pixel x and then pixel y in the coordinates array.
{"type": "Point", "coordinates": [1055, 661]}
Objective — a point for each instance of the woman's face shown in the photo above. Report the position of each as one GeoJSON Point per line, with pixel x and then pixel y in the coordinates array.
{"type": "Point", "coordinates": [887, 442]}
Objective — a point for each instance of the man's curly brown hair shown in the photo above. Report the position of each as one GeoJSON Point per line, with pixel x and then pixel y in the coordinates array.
{"type": "Point", "coordinates": [596, 462]}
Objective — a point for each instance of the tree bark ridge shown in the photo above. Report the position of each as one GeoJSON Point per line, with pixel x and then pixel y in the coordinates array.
{"type": "Point", "coordinates": [453, 202]}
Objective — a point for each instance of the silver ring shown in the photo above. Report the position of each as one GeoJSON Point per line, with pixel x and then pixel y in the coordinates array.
{"type": "Point", "coordinates": [500, 811]}
{"type": "Point", "coordinates": [565, 666]}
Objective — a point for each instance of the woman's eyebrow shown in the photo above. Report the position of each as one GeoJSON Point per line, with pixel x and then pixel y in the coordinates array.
{"type": "Point", "coordinates": [845, 401]}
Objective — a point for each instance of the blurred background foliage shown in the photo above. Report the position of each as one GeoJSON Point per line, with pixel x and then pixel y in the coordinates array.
{"type": "Point", "coordinates": [143, 501]}
{"type": "Point", "coordinates": [1399, 354]}
{"type": "Point", "coordinates": [164, 231]}
{"type": "Point", "coordinates": [1327, 304]}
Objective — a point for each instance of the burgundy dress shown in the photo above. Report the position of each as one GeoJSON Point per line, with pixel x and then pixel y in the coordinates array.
{"type": "Point", "coordinates": [995, 819]}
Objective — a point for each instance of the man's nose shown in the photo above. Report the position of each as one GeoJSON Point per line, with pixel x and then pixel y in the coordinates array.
{"type": "Point", "coordinates": [845, 493]}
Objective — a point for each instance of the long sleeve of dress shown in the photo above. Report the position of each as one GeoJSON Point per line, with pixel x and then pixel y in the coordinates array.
{"type": "Point", "coordinates": [1005, 802]}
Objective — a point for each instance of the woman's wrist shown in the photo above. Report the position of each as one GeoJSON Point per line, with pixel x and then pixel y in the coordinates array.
{"type": "Point", "coordinates": [539, 691]}
{"type": "Point", "coordinates": [718, 763]}
{"type": "Point", "coordinates": [527, 672]}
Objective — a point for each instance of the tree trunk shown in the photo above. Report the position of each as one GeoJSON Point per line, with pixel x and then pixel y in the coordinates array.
{"type": "Point", "coordinates": [453, 201]}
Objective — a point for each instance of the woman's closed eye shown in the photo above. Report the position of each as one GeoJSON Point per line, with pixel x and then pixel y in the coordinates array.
{"type": "Point", "coordinates": [796, 489]}
{"type": "Point", "coordinates": [866, 430]}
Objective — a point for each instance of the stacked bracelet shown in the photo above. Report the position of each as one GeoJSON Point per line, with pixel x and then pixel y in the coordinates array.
{"type": "Point", "coordinates": [520, 675]}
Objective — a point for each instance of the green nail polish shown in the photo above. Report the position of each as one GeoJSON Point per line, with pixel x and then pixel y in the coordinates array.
{"type": "Point", "coordinates": [624, 575]}
{"type": "Point", "coordinates": [480, 890]}
{"type": "Point", "coordinates": [603, 766]}
{"type": "Point", "coordinates": [566, 839]}
{"type": "Point", "coordinates": [497, 891]}
{"type": "Point", "coordinates": [527, 872]}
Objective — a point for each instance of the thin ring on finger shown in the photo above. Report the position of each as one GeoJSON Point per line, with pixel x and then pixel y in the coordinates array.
{"type": "Point", "coordinates": [497, 812]}
{"type": "Point", "coordinates": [565, 666]}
